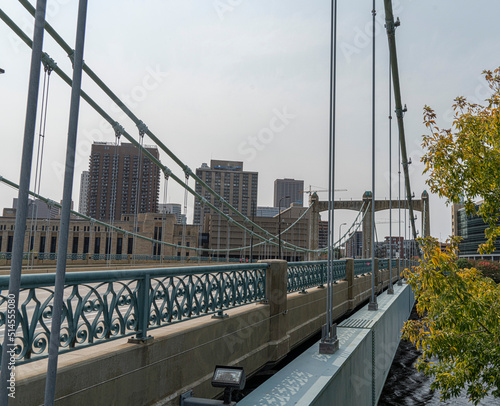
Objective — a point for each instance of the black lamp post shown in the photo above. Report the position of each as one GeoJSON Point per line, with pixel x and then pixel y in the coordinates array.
{"type": "Point", "coordinates": [279, 224]}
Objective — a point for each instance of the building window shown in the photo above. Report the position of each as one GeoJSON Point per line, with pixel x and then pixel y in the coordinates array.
{"type": "Point", "coordinates": [53, 244]}
{"type": "Point", "coordinates": [119, 243]}
{"type": "Point", "coordinates": [75, 245]}
{"type": "Point", "coordinates": [97, 245]}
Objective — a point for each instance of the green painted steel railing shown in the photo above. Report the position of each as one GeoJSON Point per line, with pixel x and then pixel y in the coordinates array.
{"type": "Point", "coordinates": [362, 266]}
{"type": "Point", "coordinates": [104, 305]}
{"type": "Point", "coordinates": [304, 275]}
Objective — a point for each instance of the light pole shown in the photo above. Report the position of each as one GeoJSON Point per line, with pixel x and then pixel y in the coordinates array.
{"type": "Point", "coordinates": [340, 235]}
{"type": "Point", "coordinates": [279, 224]}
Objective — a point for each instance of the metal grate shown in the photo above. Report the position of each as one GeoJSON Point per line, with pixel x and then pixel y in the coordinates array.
{"type": "Point", "coordinates": [357, 323]}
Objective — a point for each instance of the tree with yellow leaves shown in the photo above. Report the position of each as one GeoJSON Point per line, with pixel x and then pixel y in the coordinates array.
{"type": "Point", "coordinates": [459, 327]}
{"type": "Point", "coordinates": [464, 162]}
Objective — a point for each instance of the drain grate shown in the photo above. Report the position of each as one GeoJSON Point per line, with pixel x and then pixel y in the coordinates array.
{"type": "Point", "coordinates": [357, 323]}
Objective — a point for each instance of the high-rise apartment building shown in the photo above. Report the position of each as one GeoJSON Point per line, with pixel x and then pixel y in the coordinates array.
{"type": "Point", "coordinates": [227, 179]}
{"type": "Point", "coordinates": [84, 193]}
{"type": "Point", "coordinates": [288, 187]}
{"type": "Point", "coordinates": [121, 181]}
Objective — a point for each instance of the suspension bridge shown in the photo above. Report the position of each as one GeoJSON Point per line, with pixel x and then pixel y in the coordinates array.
{"type": "Point", "coordinates": [109, 335]}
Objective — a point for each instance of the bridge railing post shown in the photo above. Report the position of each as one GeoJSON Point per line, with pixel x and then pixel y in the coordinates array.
{"type": "Point", "coordinates": [349, 277]}
{"type": "Point", "coordinates": [276, 298]}
{"type": "Point", "coordinates": [143, 309]}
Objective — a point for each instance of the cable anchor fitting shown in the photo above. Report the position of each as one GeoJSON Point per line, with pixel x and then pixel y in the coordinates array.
{"type": "Point", "coordinates": [143, 128]}
{"type": "Point", "coordinates": [167, 172]}
{"type": "Point", "coordinates": [48, 63]}
{"type": "Point", "coordinates": [119, 130]}
{"type": "Point", "coordinates": [187, 171]}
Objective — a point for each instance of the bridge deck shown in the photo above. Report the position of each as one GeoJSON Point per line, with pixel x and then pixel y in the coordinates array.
{"type": "Point", "coordinates": [347, 377]}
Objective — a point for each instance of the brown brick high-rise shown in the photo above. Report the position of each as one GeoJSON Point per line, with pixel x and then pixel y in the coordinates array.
{"type": "Point", "coordinates": [116, 173]}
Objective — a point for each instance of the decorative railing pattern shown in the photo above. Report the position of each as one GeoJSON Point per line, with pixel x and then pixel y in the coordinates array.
{"type": "Point", "coordinates": [383, 264]}
{"type": "Point", "coordinates": [304, 275]}
{"type": "Point", "coordinates": [105, 305]}
{"type": "Point", "coordinates": [362, 266]}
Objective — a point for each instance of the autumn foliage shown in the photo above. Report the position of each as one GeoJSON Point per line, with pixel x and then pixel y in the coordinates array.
{"type": "Point", "coordinates": [463, 162]}
{"type": "Point", "coordinates": [459, 327]}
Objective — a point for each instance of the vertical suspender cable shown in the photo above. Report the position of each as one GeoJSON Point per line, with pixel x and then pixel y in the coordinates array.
{"type": "Point", "coordinates": [218, 239]}
{"type": "Point", "coordinates": [112, 203]}
{"type": "Point", "coordinates": [184, 220]}
{"type": "Point", "coordinates": [50, 383]}
{"type": "Point", "coordinates": [329, 341]}
{"type": "Point", "coordinates": [373, 300]}
{"type": "Point", "coordinates": [390, 289]}
{"type": "Point", "coordinates": [200, 230]}
{"type": "Point", "coordinates": [138, 185]}
{"type": "Point", "coordinates": [39, 158]}
{"type": "Point", "coordinates": [228, 237]}
{"type": "Point", "coordinates": [25, 175]}
{"type": "Point", "coordinates": [163, 218]}
{"type": "Point", "coordinates": [401, 244]}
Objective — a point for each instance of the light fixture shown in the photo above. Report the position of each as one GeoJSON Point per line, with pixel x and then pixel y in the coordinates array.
{"type": "Point", "coordinates": [226, 377]}
{"type": "Point", "coordinates": [231, 377]}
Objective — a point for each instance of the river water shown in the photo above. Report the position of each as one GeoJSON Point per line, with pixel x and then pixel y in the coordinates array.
{"type": "Point", "coordinates": [405, 386]}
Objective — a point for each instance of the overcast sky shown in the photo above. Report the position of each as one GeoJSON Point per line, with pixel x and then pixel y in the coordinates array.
{"type": "Point", "coordinates": [249, 80]}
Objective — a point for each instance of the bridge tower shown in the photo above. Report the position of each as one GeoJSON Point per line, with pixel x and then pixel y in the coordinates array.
{"type": "Point", "coordinates": [313, 226]}
{"type": "Point", "coordinates": [367, 225]}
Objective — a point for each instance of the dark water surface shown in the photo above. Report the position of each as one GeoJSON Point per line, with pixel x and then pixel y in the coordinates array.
{"type": "Point", "coordinates": [405, 386]}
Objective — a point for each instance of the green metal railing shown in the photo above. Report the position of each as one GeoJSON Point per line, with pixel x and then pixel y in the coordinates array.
{"type": "Point", "coordinates": [362, 266]}
{"type": "Point", "coordinates": [304, 275]}
{"type": "Point", "coordinates": [104, 305]}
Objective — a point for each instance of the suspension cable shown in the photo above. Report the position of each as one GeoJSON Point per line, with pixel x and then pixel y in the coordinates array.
{"type": "Point", "coordinates": [39, 159]}
{"type": "Point", "coordinates": [138, 194]}
{"type": "Point", "coordinates": [100, 111]}
{"type": "Point", "coordinates": [184, 220]}
{"type": "Point", "coordinates": [112, 203]}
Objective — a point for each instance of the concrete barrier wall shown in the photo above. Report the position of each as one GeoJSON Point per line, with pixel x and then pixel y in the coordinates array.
{"type": "Point", "coordinates": [356, 373]}
{"type": "Point", "coordinates": [182, 356]}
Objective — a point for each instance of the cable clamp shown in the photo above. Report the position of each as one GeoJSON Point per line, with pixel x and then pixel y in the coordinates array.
{"type": "Point", "coordinates": [48, 63]}
{"type": "Point", "coordinates": [167, 172]}
{"type": "Point", "coordinates": [119, 130]}
{"type": "Point", "coordinates": [143, 128]}
{"type": "Point", "coordinates": [51, 203]}
{"type": "Point", "coordinates": [188, 171]}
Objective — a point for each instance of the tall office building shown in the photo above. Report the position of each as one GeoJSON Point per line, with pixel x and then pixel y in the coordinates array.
{"type": "Point", "coordinates": [84, 193]}
{"type": "Point", "coordinates": [120, 178]}
{"type": "Point", "coordinates": [288, 187]}
{"type": "Point", "coordinates": [228, 179]}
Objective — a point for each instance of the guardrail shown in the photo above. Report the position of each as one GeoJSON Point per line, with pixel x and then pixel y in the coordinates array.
{"type": "Point", "coordinates": [304, 275]}
{"type": "Point", "coordinates": [362, 266]}
{"type": "Point", "coordinates": [105, 305]}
